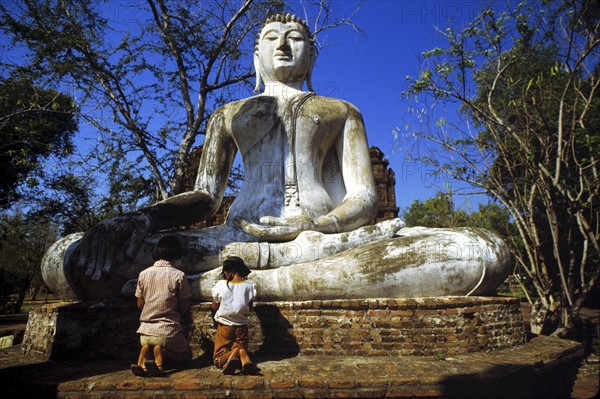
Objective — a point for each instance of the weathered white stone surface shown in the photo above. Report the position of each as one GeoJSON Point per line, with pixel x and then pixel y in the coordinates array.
{"type": "Point", "coordinates": [55, 268]}
{"type": "Point", "coordinates": [302, 217]}
{"type": "Point", "coordinates": [419, 262]}
{"type": "Point", "coordinates": [309, 246]}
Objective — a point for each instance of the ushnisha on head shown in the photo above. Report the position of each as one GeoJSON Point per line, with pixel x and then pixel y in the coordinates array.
{"type": "Point", "coordinates": [285, 52]}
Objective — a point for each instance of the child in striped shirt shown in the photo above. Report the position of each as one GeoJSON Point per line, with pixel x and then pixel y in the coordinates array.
{"type": "Point", "coordinates": [163, 295]}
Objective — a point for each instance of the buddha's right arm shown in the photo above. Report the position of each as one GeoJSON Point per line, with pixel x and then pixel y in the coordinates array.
{"type": "Point", "coordinates": [180, 210]}
{"type": "Point", "coordinates": [105, 244]}
{"type": "Point", "coordinates": [218, 153]}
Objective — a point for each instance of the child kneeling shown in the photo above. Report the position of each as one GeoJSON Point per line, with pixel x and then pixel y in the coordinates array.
{"type": "Point", "coordinates": [232, 300]}
{"type": "Point", "coordinates": [163, 295]}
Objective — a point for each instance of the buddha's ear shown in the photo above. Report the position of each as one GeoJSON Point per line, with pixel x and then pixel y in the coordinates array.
{"type": "Point", "coordinates": [313, 58]}
{"type": "Point", "coordinates": [259, 80]}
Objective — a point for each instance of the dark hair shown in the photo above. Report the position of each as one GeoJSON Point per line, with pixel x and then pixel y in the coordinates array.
{"type": "Point", "coordinates": [167, 248]}
{"type": "Point", "coordinates": [234, 265]}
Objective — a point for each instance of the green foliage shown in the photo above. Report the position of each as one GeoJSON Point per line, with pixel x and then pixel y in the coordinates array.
{"type": "Point", "coordinates": [35, 123]}
{"type": "Point", "coordinates": [435, 212]}
{"type": "Point", "coordinates": [23, 242]}
{"type": "Point", "coordinates": [148, 77]}
{"type": "Point", "coordinates": [68, 202]}
{"type": "Point", "coordinates": [495, 218]}
{"type": "Point", "coordinates": [440, 211]}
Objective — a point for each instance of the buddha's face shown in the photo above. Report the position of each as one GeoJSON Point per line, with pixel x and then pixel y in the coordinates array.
{"type": "Point", "coordinates": [284, 52]}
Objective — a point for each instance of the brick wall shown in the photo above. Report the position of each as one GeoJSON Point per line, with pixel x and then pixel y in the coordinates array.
{"type": "Point", "coordinates": [405, 327]}
{"type": "Point", "coordinates": [83, 330]}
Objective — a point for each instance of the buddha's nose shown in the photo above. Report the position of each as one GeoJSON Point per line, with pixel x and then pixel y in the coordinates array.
{"type": "Point", "coordinates": [282, 43]}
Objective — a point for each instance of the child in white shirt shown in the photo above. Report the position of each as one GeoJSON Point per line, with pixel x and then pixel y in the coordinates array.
{"type": "Point", "coordinates": [232, 300]}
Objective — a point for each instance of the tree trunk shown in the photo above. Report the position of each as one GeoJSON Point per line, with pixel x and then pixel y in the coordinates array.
{"type": "Point", "coordinates": [21, 298]}
{"type": "Point", "coordinates": [541, 318]}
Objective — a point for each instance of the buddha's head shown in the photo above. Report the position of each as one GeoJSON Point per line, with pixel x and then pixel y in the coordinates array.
{"type": "Point", "coordinates": [284, 52]}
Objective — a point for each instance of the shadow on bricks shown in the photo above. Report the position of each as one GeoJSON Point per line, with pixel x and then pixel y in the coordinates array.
{"type": "Point", "coordinates": [278, 340]}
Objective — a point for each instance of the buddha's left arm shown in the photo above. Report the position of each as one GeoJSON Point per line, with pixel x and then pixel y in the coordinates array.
{"type": "Point", "coordinates": [359, 206]}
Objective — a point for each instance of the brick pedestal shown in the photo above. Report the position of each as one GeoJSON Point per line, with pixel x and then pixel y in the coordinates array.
{"type": "Point", "coordinates": [455, 347]}
{"type": "Point", "coordinates": [371, 327]}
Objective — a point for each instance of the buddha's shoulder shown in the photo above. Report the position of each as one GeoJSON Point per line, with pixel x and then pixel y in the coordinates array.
{"type": "Point", "coordinates": [227, 108]}
{"type": "Point", "coordinates": [260, 102]}
{"type": "Point", "coordinates": [245, 104]}
{"type": "Point", "coordinates": [333, 104]}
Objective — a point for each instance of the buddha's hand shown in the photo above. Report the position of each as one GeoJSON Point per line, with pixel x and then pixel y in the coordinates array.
{"type": "Point", "coordinates": [110, 242]}
{"type": "Point", "coordinates": [273, 228]}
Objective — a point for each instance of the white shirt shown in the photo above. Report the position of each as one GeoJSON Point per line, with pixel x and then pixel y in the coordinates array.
{"type": "Point", "coordinates": [234, 301]}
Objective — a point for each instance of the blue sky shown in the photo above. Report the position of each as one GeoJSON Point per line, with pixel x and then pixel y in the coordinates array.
{"type": "Point", "coordinates": [370, 72]}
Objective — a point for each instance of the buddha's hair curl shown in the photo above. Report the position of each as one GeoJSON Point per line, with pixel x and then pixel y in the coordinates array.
{"type": "Point", "coordinates": [286, 18]}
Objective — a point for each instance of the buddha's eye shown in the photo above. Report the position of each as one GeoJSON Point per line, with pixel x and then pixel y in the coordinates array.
{"type": "Point", "coordinates": [270, 38]}
{"type": "Point", "coordinates": [296, 37]}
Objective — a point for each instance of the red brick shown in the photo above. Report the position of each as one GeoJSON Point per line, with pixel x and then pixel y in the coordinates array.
{"type": "Point", "coordinates": [130, 385]}
{"type": "Point", "coordinates": [309, 381]}
{"type": "Point", "coordinates": [249, 383]}
{"type": "Point", "coordinates": [135, 395]}
{"type": "Point", "coordinates": [187, 385]}
{"type": "Point", "coordinates": [77, 385]}
{"type": "Point", "coordinates": [400, 392]}
{"type": "Point", "coordinates": [198, 395]}
{"type": "Point", "coordinates": [336, 383]}
{"type": "Point", "coordinates": [282, 383]}
{"type": "Point", "coordinates": [315, 394]}
{"type": "Point", "coordinates": [342, 394]}
{"type": "Point", "coordinates": [371, 393]}
{"type": "Point", "coordinates": [162, 383]}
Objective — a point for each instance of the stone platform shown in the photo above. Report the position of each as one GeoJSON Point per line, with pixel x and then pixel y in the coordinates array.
{"type": "Point", "coordinates": [544, 367]}
{"type": "Point", "coordinates": [453, 347]}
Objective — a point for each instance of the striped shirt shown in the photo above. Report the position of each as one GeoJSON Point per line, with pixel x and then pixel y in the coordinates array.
{"type": "Point", "coordinates": [161, 286]}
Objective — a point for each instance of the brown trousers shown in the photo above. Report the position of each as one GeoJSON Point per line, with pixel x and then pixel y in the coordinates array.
{"type": "Point", "coordinates": [227, 339]}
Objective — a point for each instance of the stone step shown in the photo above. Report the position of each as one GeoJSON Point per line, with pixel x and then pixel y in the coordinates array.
{"type": "Point", "coordinates": [544, 367]}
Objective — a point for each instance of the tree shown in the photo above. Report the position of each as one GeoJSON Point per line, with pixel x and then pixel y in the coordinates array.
{"type": "Point", "coordinates": [34, 124]}
{"type": "Point", "coordinates": [146, 76]}
{"type": "Point", "coordinates": [159, 78]}
{"type": "Point", "coordinates": [495, 218]}
{"type": "Point", "coordinates": [23, 242]}
{"type": "Point", "coordinates": [184, 51]}
{"type": "Point", "coordinates": [435, 212]}
{"type": "Point", "coordinates": [440, 211]}
{"type": "Point", "coordinates": [67, 200]}
{"type": "Point", "coordinates": [527, 133]}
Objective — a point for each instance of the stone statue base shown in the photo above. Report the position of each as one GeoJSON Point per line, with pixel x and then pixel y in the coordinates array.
{"type": "Point", "coordinates": [444, 326]}
{"type": "Point", "coordinates": [446, 347]}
